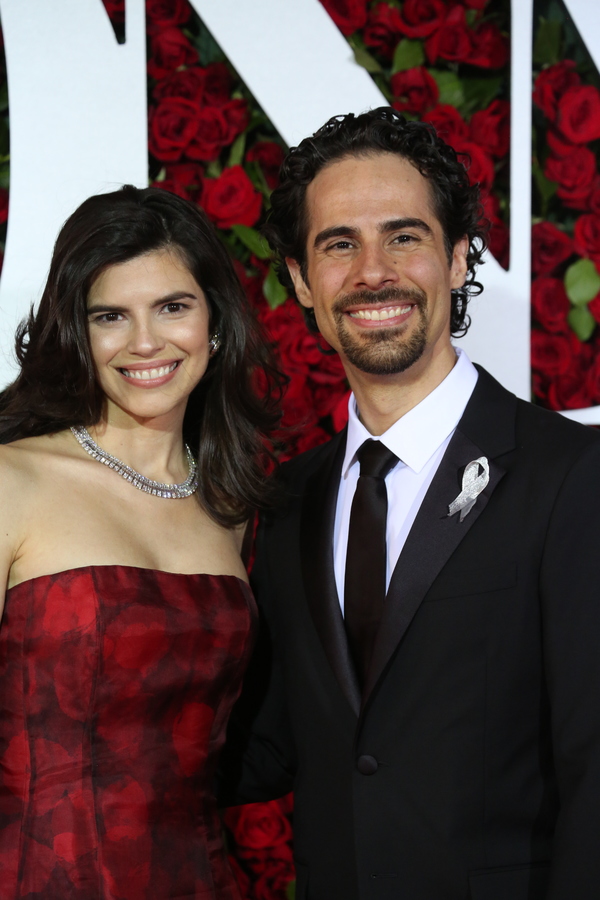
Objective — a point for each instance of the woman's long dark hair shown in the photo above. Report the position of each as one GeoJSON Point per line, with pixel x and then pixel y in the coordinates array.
{"type": "Point", "coordinates": [227, 421]}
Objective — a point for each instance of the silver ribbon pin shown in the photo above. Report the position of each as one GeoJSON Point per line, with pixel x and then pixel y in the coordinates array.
{"type": "Point", "coordinates": [473, 484]}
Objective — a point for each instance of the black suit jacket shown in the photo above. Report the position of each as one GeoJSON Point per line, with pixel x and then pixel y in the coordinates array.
{"type": "Point", "coordinates": [470, 765]}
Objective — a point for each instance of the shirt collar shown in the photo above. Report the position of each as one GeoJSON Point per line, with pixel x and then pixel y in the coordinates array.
{"type": "Point", "coordinates": [416, 436]}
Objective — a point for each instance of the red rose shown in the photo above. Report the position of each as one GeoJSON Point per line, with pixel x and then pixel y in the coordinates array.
{"type": "Point", "coordinates": [183, 179]}
{"type": "Point", "coordinates": [551, 354]}
{"type": "Point", "coordinates": [231, 199]}
{"type": "Point", "coordinates": [594, 307]}
{"type": "Point", "coordinates": [558, 145]}
{"type": "Point", "coordinates": [166, 13]}
{"type": "Point", "coordinates": [188, 83]}
{"type": "Point", "coordinates": [452, 40]}
{"type": "Point", "coordinates": [274, 879]}
{"type": "Point", "coordinates": [575, 175]}
{"type": "Point", "coordinates": [383, 29]}
{"type": "Point", "coordinates": [339, 416]}
{"type": "Point", "coordinates": [170, 49]}
{"type": "Point", "coordinates": [592, 381]}
{"type": "Point", "coordinates": [571, 389]}
{"type": "Point", "coordinates": [549, 247]}
{"type": "Point", "coordinates": [297, 345]}
{"type": "Point", "coordinates": [475, 4]}
{"type": "Point", "coordinates": [490, 128]}
{"type": "Point", "coordinates": [243, 881]}
{"type": "Point", "coordinates": [298, 409]}
{"type": "Point", "coordinates": [448, 123]}
{"type": "Point", "coordinates": [586, 237]}
{"type": "Point", "coordinates": [258, 825]}
{"type": "Point", "coordinates": [348, 15]}
{"type": "Point", "coordinates": [499, 241]}
{"type": "Point", "coordinates": [578, 116]}
{"type": "Point", "coordinates": [416, 90]}
{"type": "Point", "coordinates": [550, 304]}
{"type": "Point", "coordinates": [269, 156]}
{"type": "Point", "coordinates": [217, 84]}
{"type": "Point", "coordinates": [173, 125]}
{"type": "Point", "coordinates": [489, 47]}
{"type": "Point", "coordinates": [420, 18]}
{"type": "Point", "coordinates": [593, 202]}
{"type": "Point", "coordinates": [214, 132]}
{"type": "Point", "coordinates": [479, 165]}
{"type": "Point", "coordinates": [115, 10]}
{"type": "Point", "coordinates": [551, 84]}
{"type": "Point", "coordinates": [3, 205]}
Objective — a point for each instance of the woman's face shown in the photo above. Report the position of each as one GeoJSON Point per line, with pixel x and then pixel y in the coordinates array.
{"type": "Point", "coordinates": [148, 323]}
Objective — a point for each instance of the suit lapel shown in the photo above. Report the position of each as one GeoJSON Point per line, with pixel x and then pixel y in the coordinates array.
{"type": "Point", "coordinates": [316, 543]}
{"type": "Point", "coordinates": [486, 429]}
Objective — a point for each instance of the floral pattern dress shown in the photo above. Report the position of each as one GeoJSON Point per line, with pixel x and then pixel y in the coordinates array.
{"type": "Point", "coordinates": [116, 684]}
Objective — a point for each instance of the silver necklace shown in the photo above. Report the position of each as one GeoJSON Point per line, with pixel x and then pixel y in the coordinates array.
{"type": "Point", "coordinates": [157, 488]}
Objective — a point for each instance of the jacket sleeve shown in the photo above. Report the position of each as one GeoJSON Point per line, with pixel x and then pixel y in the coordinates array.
{"type": "Point", "coordinates": [259, 761]}
{"type": "Point", "coordinates": [570, 595]}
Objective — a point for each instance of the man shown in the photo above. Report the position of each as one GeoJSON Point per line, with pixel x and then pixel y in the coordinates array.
{"type": "Point", "coordinates": [440, 672]}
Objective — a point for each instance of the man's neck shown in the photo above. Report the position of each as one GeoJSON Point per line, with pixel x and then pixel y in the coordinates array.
{"type": "Point", "coordinates": [383, 399]}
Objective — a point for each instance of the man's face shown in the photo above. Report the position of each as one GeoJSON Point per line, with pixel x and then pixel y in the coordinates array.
{"type": "Point", "coordinates": [378, 275]}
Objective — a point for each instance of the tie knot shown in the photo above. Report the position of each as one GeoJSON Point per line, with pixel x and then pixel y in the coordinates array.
{"type": "Point", "coordinates": [375, 459]}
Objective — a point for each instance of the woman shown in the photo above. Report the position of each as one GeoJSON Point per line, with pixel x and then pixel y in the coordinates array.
{"type": "Point", "coordinates": [133, 443]}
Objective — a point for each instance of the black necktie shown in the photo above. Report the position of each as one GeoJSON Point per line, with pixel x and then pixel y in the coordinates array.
{"type": "Point", "coordinates": [364, 587]}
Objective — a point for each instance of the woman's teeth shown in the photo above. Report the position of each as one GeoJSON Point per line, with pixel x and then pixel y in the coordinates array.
{"type": "Point", "coordinates": [148, 374]}
{"type": "Point", "coordinates": [380, 314]}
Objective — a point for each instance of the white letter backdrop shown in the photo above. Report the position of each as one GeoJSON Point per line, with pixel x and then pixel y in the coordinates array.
{"type": "Point", "coordinates": [78, 126]}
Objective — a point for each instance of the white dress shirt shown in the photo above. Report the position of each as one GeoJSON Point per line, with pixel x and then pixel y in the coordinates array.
{"type": "Point", "coordinates": [419, 439]}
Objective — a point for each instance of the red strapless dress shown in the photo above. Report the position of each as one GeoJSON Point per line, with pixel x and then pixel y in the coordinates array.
{"type": "Point", "coordinates": [116, 684]}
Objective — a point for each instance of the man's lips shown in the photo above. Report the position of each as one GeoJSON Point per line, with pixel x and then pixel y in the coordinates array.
{"type": "Point", "coordinates": [376, 316]}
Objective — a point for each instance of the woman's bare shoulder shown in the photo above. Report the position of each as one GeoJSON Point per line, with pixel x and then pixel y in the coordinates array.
{"type": "Point", "coordinates": [25, 463]}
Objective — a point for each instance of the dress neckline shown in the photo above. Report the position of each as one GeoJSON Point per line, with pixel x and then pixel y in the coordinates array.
{"type": "Point", "coordinates": [112, 566]}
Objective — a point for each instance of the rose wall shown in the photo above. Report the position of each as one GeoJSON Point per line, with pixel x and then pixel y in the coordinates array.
{"type": "Point", "coordinates": [441, 61]}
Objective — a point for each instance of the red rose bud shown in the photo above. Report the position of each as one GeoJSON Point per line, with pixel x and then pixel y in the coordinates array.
{"type": "Point", "coordinates": [550, 304]}
{"type": "Point", "coordinates": [166, 13]}
{"type": "Point", "coordinates": [415, 89]}
{"type": "Point", "coordinates": [551, 84]}
{"type": "Point", "coordinates": [549, 248]}
{"type": "Point", "coordinates": [551, 354]}
{"type": "Point", "coordinates": [348, 15]}
{"type": "Point", "coordinates": [575, 175]}
{"type": "Point", "coordinates": [578, 117]}
{"type": "Point", "coordinates": [479, 164]}
{"type": "Point", "coordinates": [452, 40]}
{"type": "Point", "coordinates": [169, 49]}
{"type": "Point", "coordinates": [383, 29]}
{"type": "Point", "coordinates": [173, 125]}
{"type": "Point", "coordinates": [269, 156]}
{"type": "Point", "coordinates": [420, 18]}
{"type": "Point", "coordinates": [448, 123]}
{"type": "Point", "coordinates": [490, 128]}
{"type": "Point", "coordinates": [586, 237]}
{"type": "Point", "coordinates": [489, 47]}
{"type": "Point", "coordinates": [231, 199]}
{"type": "Point", "coordinates": [189, 84]}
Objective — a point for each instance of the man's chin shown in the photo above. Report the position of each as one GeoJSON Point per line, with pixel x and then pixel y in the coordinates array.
{"type": "Point", "coordinates": [383, 353]}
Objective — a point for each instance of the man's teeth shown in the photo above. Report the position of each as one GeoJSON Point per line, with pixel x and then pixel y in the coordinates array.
{"type": "Point", "coordinates": [380, 314]}
{"type": "Point", "coordinates": [148, 374]}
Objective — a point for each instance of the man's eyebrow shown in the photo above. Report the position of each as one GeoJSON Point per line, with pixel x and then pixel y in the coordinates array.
{"type": "Point", "coordinates": [399, 224]}
{"type": "Point", "coordinates": [160, 301]}
{"type": "Point", "coordinates": [336, 231]}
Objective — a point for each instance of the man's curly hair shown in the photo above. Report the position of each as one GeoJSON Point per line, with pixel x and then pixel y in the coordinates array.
{"type": "Point", "coordinates": [456, 202]}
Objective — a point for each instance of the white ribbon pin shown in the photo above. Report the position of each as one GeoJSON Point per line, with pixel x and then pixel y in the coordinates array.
{"type": "Point", "coordinates": [473, 484]}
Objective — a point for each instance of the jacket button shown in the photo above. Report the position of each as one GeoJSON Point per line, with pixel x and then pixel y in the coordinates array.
{"type": "Point", "coordinates": [367, 765]}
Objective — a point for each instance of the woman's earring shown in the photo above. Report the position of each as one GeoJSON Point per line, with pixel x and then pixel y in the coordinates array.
{"type": "Point", "coordinates": [214, 343]}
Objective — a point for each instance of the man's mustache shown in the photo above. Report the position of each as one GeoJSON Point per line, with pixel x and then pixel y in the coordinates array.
{"type": "Point", "coordinates": [396, 295]}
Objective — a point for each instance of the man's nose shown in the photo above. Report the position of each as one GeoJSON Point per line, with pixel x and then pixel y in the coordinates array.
{"type": "Point", "coordinates": [374, 268]}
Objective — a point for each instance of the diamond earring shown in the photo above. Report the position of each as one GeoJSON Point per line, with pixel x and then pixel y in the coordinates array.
{"type": "Point", "coordinates": [214, 343]}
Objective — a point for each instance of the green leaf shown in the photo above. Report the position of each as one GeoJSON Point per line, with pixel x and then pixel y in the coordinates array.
{"type": "Point", "coordinates": [252, 240]}
{"type": "Point", "coordinates": [236, 154]}
{"type": "Point", "coordinates": [3, 97]}
{"type": "Point", "coordinates": [546, 188]}
{"type": "Point", "coordinates": [582, 322]}
{"type": "Point", "coordinates": [291, 891]}
{"type": "Point", "coordinates": [214, 169]}
{"type": "Point", "coordinates": [364, 59]}
{"type": "Point", "coordinates": [547, 44]}
{"type": "Point", "coordinates": [479, 93]}
{"type": "Point", "coordinates": [449, 86]}
{"type": "Point", "coordinates": [582, 282]}
{"type": "Point", "coordinates": [4, 177]}
{"type": "Point", "coordinates": [274, 292]}
{"type": "Point", "coordinates": [407, 55]}
{"type": "Point", "coordinates": [257, 177]}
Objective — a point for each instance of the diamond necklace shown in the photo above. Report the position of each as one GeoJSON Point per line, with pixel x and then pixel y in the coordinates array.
{"type": "Point", "coordinates": [157, 488]}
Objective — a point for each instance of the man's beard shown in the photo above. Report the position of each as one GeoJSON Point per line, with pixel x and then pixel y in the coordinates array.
{"type": "Point", "coordinates": [382, 351]}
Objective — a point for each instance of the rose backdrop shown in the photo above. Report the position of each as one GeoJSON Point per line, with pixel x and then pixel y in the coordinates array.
{"type": "Point", "coordinates": [441, 61]}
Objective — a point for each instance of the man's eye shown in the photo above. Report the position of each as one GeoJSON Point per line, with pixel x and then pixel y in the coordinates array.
{"type": "Point", "coordinates": [340, 245]}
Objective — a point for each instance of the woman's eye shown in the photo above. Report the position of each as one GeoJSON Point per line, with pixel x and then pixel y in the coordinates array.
{"type": "Point", "coordinates": [174, 307]}
{"type": "Point", "coordinates": [108, 317]}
